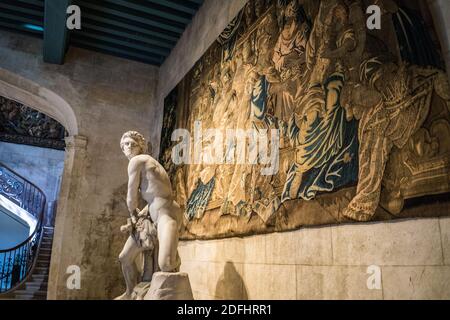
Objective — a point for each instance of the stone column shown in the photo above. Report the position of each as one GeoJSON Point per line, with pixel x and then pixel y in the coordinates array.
{"type": "Point", "coordinates": [66, 240]}
{"type": "Point", "coordinates": [440, 10]}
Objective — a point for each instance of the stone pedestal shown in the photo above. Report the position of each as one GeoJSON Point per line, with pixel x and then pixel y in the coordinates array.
{"type": "Point", "coordinates": [169, 286]}
{"type": "Point", "coordinates": [140, 290]}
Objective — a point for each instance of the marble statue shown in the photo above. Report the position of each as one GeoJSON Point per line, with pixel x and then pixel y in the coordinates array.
{"type": "Point", "coordinates": [154, 229]}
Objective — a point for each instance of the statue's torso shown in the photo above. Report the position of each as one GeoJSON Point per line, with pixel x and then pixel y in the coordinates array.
{"type": "Point", "coordinates": [156, 189]}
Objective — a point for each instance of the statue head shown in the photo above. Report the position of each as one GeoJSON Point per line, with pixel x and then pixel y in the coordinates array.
{"type": "Point", "coordinates": [132, 144]}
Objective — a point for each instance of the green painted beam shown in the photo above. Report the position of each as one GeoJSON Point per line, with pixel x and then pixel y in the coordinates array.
{"type": "Point", "coordinates": [19, 19]}
{"type": "Point", "coordinates": [7, 24]}
{"type": "Point", "coordinates": [55, 31]}
{"type": "Point", "coordinates": [7, 7]}
{"type": "Point", "coordinates": [137, 36]}
{"type": "Point", "coordinates": [95, 46]}
{"type": "Point", "coordinates": [199, 2]}
{"type": "Point", "coordinates": [108, 45]}
{"type": "Point", "coordinates": [115, 22]}
{"type": "Point", "coordinates": [180, 6]}
{"type": "Point", "coordinates": [154, 10]}
{"type": "Point", "coordinates": [117, 13]}
{"type": "Point", "coordinates": [114, 40]}
{"type": "Point", "coordinates": [36, 3]}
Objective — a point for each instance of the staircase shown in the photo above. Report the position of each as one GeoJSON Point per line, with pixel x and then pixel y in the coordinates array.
{"type": "Point", "coordinates": [35, 288]}
{"type": "Point", "coordinates": [25, 267]}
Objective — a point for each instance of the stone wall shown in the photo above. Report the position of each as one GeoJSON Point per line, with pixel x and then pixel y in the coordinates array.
{"type": "Point", "coordinates": [315, 263]}
{"type": "Point", "coordinates": [108, 96]}
{"type": "Point", "coordinates": [325, 263]}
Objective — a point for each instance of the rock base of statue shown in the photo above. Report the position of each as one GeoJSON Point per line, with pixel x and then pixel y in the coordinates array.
{"type": "Point", "coordinates": [165, 286]}
{"type": "Point", "coordinates": [140, 290]}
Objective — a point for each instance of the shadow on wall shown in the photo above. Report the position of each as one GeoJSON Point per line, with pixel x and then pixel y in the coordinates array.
{"type": "Point", "coordinates": [230, 285]}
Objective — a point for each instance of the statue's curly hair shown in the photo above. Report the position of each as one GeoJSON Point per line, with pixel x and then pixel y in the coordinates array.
{"type": "Point", "coordinates": [136, 136]}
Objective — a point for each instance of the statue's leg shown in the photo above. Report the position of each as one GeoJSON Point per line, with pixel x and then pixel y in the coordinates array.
{"type": "Point", "coordinates": [127, 259]}
{"type": "Point", "coordinates": [168, 242]}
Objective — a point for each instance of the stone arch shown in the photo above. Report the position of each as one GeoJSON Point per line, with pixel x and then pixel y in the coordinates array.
{"type": "Point", "coordinates": [32, 95]}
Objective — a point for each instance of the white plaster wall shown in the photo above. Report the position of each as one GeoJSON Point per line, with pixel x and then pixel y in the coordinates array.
{"type": "Point", "coordinates": [108, 96]}
{"type": "Point", "coordinates": [329, 262]}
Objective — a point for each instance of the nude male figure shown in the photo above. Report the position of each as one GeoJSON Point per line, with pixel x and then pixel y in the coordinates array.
{"type": "Point", "coordinates": [148, 179]}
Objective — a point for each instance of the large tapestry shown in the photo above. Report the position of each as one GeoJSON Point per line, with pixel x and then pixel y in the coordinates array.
{"type": "Point", "coordinates": [299, 114]}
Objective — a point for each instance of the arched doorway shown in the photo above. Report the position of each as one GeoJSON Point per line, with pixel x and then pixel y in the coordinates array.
{"type": "Point", "coordinates": [31, 94]}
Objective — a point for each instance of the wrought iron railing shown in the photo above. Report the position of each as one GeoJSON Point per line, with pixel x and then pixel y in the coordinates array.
{"type": "Point", "coordinates": [16, 263]}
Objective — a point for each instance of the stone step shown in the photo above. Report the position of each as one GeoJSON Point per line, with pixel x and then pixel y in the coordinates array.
{"type": "Point", "coordinates": [43, 257]}
{"type": "Point", "coordinates": [33, 287]}
{"type": "Point", "coordinates": [36, 283]}
{"type": "Point", "coordinates": [7, 296]}
{"type": "Point", "coordinates": [40, 293]}
{"type": "Point", "coordinates": [24, 297]}
{"type": "Point", "coordinates": [39, 277]}
{"type": "Point", "coordinates": [40, 270]}
{"type": "Point", "coordinates": [46, 251]}
{"type": "Point", "coordinates": [30, 297]}
{"type": "Point", "coordinates": [42, 264]}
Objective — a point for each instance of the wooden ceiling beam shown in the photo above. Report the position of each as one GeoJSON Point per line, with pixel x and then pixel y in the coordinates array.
{"type": "Point", "coordinates": [55, 31]}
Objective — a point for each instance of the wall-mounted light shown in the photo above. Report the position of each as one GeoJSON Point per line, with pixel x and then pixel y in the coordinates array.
{"type": "Point", "coordinates": [33, 27]}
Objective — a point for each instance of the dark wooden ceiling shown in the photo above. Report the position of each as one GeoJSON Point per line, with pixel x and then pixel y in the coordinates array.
{"type": "Point", "coordinates": [142, 30]}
